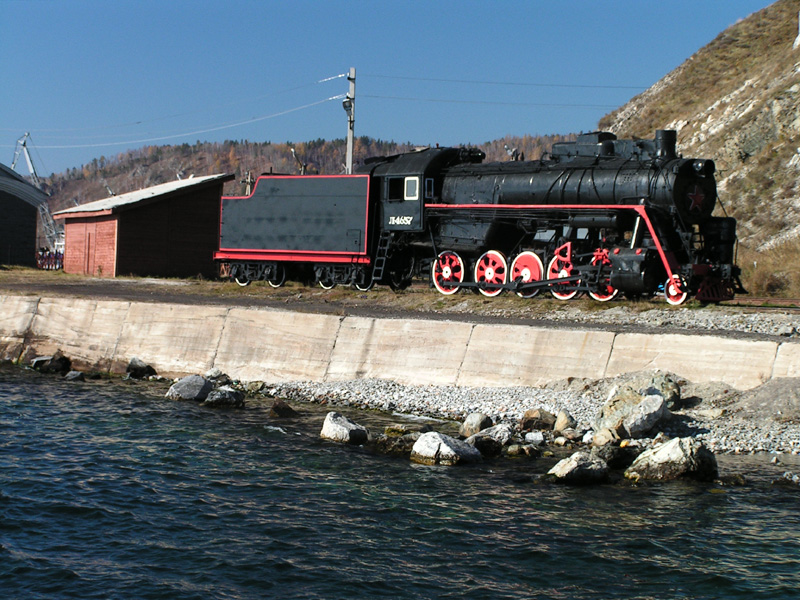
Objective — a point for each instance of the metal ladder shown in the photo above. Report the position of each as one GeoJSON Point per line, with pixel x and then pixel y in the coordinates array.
{"type": "Point", "coordinates": [381, 255]}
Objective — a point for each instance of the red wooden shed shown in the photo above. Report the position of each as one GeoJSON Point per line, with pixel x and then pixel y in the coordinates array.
{"type": "Point", "coordinates": [168, 230]}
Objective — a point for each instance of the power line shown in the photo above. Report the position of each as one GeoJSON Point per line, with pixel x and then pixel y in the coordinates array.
{"type": "Point", "coordinates": [166, 117]}
{"type": "Point", "coordinates": [190, 133]}
{"type": "Point", "coordinates": [511, 83]}
{"type": "Point", "coordinates": [492, 102]}
{"type": "Point", "coordinates": [224, 126]}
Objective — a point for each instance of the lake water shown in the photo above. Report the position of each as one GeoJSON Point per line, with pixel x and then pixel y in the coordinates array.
{"type": "Point", "coordinates": [109, 491]}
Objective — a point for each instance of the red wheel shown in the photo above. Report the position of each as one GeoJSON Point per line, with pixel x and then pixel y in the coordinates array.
{"type": "Point", "coordinates": [527, 267]}
{"type": "Point", "coordinates": [605, 291]}
{"type": "Point", "coordinates": [676, 290]}
{"type": "Point", "coordinates": [558, 268]}
{"type": "Point", "coordinates": [447, 272]}
{"type": "Point", "coordinates": [491, 268]}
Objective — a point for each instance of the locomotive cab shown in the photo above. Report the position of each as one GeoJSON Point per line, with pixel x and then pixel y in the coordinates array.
{"type": "Point", "coordinates": [408, 181]}
{"type": "Point", "coordinates": [402, 201]}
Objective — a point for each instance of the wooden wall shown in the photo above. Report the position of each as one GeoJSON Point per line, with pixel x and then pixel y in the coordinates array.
{"type": "Point", "coordinates": [90, 246]}
{"type": "Point", "coordinates": [172, 237]}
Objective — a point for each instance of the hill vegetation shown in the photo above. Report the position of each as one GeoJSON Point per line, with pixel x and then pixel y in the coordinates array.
{"type": "Point", "coordinates": [151, 165]}
{"type": "Point", "coordinates": [737, 101]}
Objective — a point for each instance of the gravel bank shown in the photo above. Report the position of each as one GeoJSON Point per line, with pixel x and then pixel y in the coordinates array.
{"type": "Point", "coordinates": [766, 419]}
{"type": "Point", "coordinates": [766, 323]}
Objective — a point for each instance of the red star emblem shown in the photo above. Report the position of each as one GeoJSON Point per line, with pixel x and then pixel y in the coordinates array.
{"type": "Point", "coordinates": [696, 197]}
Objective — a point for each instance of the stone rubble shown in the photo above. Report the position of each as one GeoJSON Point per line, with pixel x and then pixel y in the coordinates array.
{"type": "Point", "coordinates": [719, 431]}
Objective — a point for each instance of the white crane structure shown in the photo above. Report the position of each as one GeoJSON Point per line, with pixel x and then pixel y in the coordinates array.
{"type": "Point", "coordinates": [54, 236]}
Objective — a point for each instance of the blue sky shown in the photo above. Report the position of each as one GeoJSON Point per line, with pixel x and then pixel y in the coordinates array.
{"type": "Point", "coordinates": [91, 78]}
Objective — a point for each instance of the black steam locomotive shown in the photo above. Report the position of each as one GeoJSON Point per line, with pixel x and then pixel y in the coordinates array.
{"type": "Point", "coordinates": [600, 216]}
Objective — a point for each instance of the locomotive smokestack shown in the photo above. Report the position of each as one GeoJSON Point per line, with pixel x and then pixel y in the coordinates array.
{"type": "Point", "coordinates": [666, 140]}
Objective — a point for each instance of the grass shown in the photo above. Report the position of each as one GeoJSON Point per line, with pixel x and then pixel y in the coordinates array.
{"type": "Point", "coordinates": [773, 273]}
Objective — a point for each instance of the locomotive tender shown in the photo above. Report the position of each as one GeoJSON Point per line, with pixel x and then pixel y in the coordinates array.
{"type": "Point", "coordinates": [600, 216]}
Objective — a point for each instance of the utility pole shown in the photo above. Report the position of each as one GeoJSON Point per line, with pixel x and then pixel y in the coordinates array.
{"type": "Point", "coordinates": [349, 104]}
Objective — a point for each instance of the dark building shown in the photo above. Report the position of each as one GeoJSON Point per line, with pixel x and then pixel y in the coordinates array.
{"type": "Point", "coordinates": [168, 230]}
{"type": "Point", "coordinates": [19, 213]}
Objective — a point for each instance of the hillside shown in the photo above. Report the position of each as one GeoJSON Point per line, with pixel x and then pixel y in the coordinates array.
{"type": "Point", "coordinates": [737, 100]}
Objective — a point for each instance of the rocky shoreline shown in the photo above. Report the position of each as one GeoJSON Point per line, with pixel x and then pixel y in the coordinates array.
{"type": "Point", "coordinates": [645, 433]}
{"type": "Point", "coordinates": [765, 419]}
{"type": "Point", "coordinates": [624, 424]}
{"type": "Point", "coordinates": [728, 421]}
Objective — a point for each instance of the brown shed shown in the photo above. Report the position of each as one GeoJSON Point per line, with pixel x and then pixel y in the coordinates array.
{"type": "Point", "coordinates": [168, 230]}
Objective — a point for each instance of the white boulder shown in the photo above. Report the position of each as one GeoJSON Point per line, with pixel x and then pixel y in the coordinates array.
{"type": "Point", "coordinates": [679, 457]}
{"type": "Point", "coordinates": [502, 433]}
{"type": "Point", "coordinates": [564, 420]}
{"type": "Point", "coordinates": [474, 423]}
{"type": "Point", "coordinates": [645, 415]}
{"type": "Point", "coordinates": [434, 448]}
{"type": "Point", "coordinates": [535, 437]}
{"type": "Point", "coordinates": [191, 387]}
{"type": "Point", "coordinates": [630, 414]}
{"type": "Point", "coordinates": [580, 468]}
{"type": "Point", "coordinates": [339, 428]}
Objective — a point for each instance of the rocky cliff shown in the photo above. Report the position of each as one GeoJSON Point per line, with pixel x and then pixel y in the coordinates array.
{"type": "Point", "coordinates": [737, 100]}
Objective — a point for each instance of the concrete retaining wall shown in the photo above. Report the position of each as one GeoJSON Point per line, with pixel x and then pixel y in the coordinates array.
{"type": "Point", "coordinates": [281, 345]}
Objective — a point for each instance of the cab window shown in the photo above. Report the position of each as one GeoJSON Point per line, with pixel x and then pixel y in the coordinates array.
{"type": "Point", "coordinates": [395, 187]}
{"type": "Point", "coordinates": [428, 188]}
{"type": "Point", "coordinates": [412, 188]}
{"type": "Point", "coordinates": [402, 188]}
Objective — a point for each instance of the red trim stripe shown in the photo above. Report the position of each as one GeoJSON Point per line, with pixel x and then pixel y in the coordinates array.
{"type": "Point", "coordinates": [290, 256]}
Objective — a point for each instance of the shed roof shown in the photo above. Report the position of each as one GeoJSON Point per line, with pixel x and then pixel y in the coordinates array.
{"type": "Point", "coordinates": [13, 183]}
{"type": "Point", "coordinates": [116, 204]}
